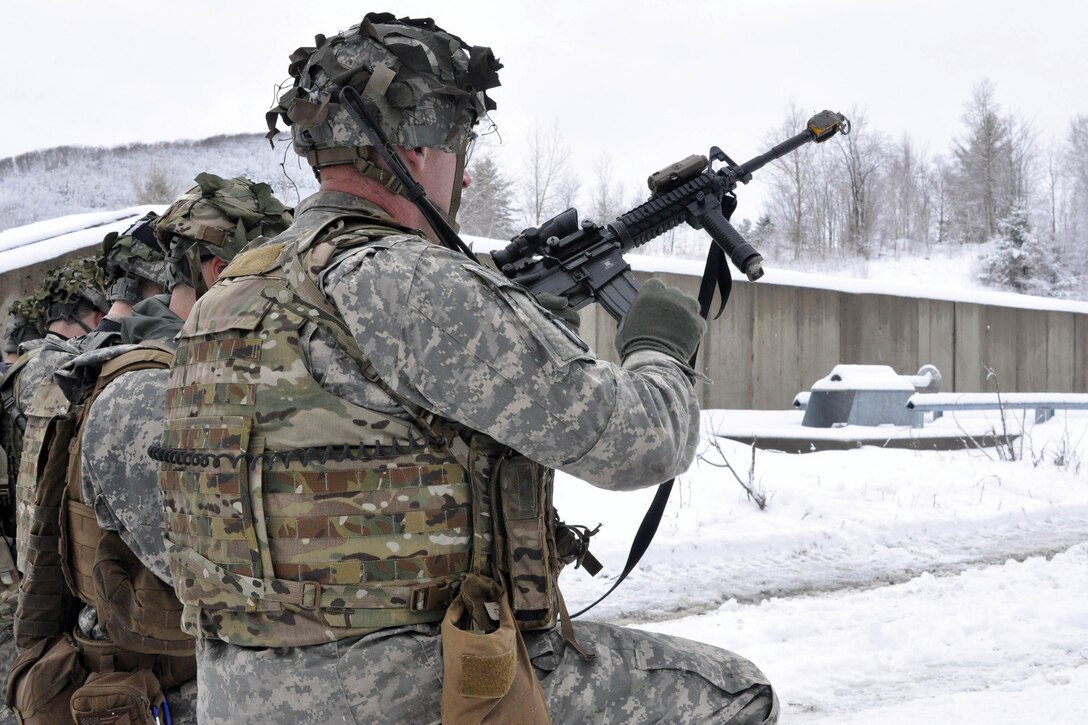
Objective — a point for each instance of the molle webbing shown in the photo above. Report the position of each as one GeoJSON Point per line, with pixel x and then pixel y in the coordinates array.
{"type": "Point", "coordinates": [334, 547]}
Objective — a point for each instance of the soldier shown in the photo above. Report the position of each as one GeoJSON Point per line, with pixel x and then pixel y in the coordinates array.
{"type": "Point", "coordinates": [22, 330]}
{"type": "Point", "coordinates": [360, 430]}
{"type": "Point", "coordinates": [69, 304]}
{"type": "Point", "coordinates": [126, 638]}
{"type": "Point", "coordinates": [135, 263]}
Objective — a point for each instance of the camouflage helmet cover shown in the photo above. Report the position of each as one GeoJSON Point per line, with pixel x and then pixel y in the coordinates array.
{"type": "Point", "coordinates": [219, 216]}
{"type": "Point", "coordinates": [25, 324]}
{"type": "Point", "coordinates": [132, 254]}
{"type": "Point", "coordinates": [429, 87]}
{"type": "Point", "coordinates": [80, 280]}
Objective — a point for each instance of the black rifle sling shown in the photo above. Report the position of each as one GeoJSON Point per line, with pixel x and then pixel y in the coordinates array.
{"type": "Point", "coordinates": [716, 275]}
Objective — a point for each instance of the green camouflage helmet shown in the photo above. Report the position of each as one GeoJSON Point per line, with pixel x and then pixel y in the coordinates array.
{"type": "Point", "coordinates": [428, 85]}
{"type": "Point", "coordinates": [217, 216]}
{"type": "Point", "coordinates": [25, 324]}
{"type": "Point", "coordinates": [131, 256]}
{"type": "Point", "coordinates": [80, 280]}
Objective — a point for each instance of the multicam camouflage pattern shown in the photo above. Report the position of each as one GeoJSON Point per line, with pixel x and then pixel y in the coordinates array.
{"type": "Point", "coordinates": [305, 518]}
{"type": "Point", "coordinates": [470, 346]}
{"type": "Point", "coordinates": [395, 676]}
{"type": "Point", "coordinates": [133, 254]}
{"type": "Point", "coordinates": [428, 86]}
{"type": "Point", "coordinates": [223, 215]}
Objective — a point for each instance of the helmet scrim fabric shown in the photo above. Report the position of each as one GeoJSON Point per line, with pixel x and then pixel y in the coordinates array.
{"type": "Point", "coordinates": [80, 280]}
{"type": "Point", "coordinates": [134, 255]}
{"type": "Point", "coordinates": [25, 324]}
{"type": "Point", "coordinates": [428, 86]}
{"type": "Point", "coordinates": [217, 216]}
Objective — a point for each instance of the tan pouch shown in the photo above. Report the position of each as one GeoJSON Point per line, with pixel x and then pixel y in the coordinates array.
{"type": "Point", "coordinates": [119, 698]}
{"type": "Point", "coordinates": [488, 677]}
{"type": "Point", "coordinates": [42, 681]}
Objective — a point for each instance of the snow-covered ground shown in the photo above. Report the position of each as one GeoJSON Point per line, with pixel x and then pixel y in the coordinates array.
{"type": "Point", "coordinates": [879, 585]}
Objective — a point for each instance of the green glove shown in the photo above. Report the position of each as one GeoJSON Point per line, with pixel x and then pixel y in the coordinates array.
{"type": "Point", "coordinates": [560, 307]}
{"type": "Point", "coordinates": [663, 319]}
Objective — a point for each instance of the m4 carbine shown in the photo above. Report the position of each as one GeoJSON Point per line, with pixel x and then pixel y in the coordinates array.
{"type": "Point", "coordinates": [584, 262]}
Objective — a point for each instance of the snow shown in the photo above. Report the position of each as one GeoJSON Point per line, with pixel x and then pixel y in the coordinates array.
{"type": "Point", "coordinates": [879, 585]}
{"type": "Point", "coordinates": [42, 241]}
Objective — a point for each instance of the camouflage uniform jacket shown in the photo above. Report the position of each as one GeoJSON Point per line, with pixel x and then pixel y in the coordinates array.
{"type": "Point", "coordinates": [151, 319]}
{"type": "Point", "coordinates": [465, 343]}
{"type": "Point", "coordinates": [119, 479]}
{"type": "Point", "coordinates": [468, 345]}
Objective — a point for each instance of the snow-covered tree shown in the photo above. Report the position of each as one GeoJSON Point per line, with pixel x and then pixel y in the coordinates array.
{"type": "Point", "coordinates": [487, 209]}
{"type": "Point", "coordinates": [1019, 262]}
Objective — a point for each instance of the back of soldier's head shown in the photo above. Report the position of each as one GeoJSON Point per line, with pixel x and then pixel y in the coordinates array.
{"type": "Point", "coordinates": [73, 293]}
{"type": "Point", "coordinates": [216, 218]}
{"type": "Point", "coordinates": [134, 261]}
{"type": "Point", "coordinates": [428, 87]}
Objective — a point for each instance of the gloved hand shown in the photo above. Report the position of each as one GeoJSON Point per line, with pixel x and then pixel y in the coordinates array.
{"type": "Point", "coordinates": [560, 307]}
{"type": "Point", "coordinates": [663, 319]}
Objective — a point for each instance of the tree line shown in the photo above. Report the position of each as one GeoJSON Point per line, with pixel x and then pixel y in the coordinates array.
{"type": "Point", "coordinates": [1000, 188]}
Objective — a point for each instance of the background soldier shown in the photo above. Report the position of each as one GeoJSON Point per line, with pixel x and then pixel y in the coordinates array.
{"type": "Point", "coordinates": [358, 425]}
{"type": "Point", "coordinates": [135, 264]}
{"type": "Point", "coordinates": [127, 635]}
{"type": "Point", "coordinates": [23, 329]}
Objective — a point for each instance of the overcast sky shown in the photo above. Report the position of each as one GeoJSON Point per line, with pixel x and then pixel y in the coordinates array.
{"type": "Point", "coordinates": [645, 82]}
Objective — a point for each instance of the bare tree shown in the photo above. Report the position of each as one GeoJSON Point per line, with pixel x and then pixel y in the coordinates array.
{"type": "Point", "coordinates": [606, 198]}
{"type": "Point", "coordinates": [862, 155]}
{"type": "Point", "coordinates": [546, 170]}
{"type": "Point", "coordinates": [153, 188]}
{"type": "Point", "coordinates": [791, 185]}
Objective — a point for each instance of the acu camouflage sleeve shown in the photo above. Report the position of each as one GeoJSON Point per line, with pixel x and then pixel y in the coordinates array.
{"type": "Point", "coordinates": [120, 480]}
{"type": "Point", "coordinates": [466, 343]}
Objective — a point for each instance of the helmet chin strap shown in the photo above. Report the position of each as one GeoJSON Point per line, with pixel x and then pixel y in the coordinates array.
{"type": "Point", "coordinates": [366, 115]}
{"type": "Point", "coordinates": [455, 193]}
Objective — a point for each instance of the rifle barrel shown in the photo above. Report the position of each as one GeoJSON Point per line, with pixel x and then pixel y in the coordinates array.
{"type": "Point", "coordinates": [745, 169]}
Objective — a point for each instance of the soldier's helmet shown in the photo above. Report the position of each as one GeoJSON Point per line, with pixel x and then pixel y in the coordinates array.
{"type": "Point", "coordinates": [25, 325]}
{"type": "Point", "coordinates": [216, 217]}
{"type": "Point", "coordinates": [80, 281]}
{"type": "Point", "coordinates": [428, 86]}
{"type": "Point", "coordinates": [131, 256]}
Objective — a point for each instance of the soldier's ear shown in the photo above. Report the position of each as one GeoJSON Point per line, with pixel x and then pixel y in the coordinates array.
{"type": "Point", "coordinates": [217, 267]}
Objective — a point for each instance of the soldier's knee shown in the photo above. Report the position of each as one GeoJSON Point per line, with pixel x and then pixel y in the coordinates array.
{"type": "Point", "coordinates": [761, 708]}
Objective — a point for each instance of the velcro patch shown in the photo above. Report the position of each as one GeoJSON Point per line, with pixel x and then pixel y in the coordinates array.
{"type": "Point", "coordinates": [254, 261]}
{"type": "Point", "coordinates": [488, 677]}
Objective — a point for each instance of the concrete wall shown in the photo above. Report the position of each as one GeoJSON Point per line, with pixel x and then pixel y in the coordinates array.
{"type": "Point", "coordinates": [775, 340]}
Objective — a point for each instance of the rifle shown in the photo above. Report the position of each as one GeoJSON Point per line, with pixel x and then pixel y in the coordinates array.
{"type": "Point", "coordinates": [584, 261]}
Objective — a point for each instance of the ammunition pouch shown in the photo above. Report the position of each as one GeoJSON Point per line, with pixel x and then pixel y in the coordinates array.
{"type": "Point", "coordinates": [487, 675]}
{"type": "Point", "coordinates": [124, 698]}
{"type": "Point", "coordinates": [42, 680]}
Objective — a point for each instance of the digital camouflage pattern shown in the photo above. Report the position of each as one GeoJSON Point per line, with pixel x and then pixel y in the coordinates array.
{"type": "Point", "coordinates": [468, 345]}
{"type": "Point", "coordinates": [428, 86]}
{"type": "Point", "coordinates": [395, 676]}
